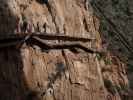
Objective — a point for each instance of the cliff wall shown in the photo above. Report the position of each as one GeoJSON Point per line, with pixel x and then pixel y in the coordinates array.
{"type": "Point", "coordinates": [29, 73]}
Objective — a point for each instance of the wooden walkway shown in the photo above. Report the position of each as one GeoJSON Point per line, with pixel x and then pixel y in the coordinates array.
{"type": "Point", "coordinates": [38, 39]}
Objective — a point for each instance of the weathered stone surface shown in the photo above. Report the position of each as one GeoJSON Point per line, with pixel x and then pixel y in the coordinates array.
{"type": "Point", "coordinates": [31, 74]}
{"type": "Point", "coordinates": [116, 18]}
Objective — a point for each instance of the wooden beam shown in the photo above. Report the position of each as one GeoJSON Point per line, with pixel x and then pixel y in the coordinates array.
{"type": "Point", "coordinates": [45, 36]}
{"type": "Point", "coordinates": [39, 42]}
{"type": "Point", "coordinates": [38, 39]}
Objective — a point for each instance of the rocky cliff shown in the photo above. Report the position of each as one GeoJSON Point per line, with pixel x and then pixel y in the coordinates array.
{"type": "Point", "coordinates": [29, 73]}
{"type": "Point", "coordinates": [116, 17]}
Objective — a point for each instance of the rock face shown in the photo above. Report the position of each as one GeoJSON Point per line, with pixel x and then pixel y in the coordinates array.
{"type": "Point", "coordinates": [116, 24]}
{"type": "Point", "coordinates": [116, 18]}
{"type": "Point", "coordinates": [30, 74]}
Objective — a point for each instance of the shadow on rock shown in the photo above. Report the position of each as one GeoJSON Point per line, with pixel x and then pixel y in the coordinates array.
{"type": "Point", "coordinates": [13, 84]}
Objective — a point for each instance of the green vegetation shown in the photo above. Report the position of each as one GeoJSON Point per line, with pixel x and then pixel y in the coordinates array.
{"type": "Point", "coordinates": [110, 87]}
{"type": "Point", "coordinates": [98, 56]}
{"type": "Point", "coordinates": [115, 88]}
{"type": "Point", "coordinates": [106, 60]}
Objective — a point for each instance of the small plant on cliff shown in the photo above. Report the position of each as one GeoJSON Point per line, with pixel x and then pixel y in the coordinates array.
{"type": "Point", "coordinates": [108, 61]}
{"type": "Point", "coordinates": [109, 86]}
{"type": "Point", "coordinates": [98, 56]}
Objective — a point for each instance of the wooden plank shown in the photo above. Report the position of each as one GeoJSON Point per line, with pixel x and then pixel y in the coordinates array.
{"type": "Point", "coordinates": [44, 45]}
{"type": "Point", "coordinates": [38, 39]}
{"type": "Point", "coordinates": [45, 36]}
